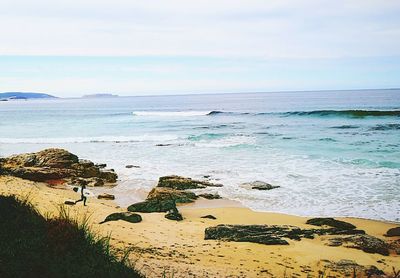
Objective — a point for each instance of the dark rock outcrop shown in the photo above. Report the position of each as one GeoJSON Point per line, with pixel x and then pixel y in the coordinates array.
{"type": "Point", "coordinates": [179, 196]}
{"type": "Point", "coordinates": [153, 205]}
{"type": "Point", "coordinates": [331, 222]}
{"type": "Point", "coordinates": [393, 232]}
{"type": "Point", "coordinates": [259, 185]}
{"type": "Point", "coordinates": [126, 216]}
{"type": "Point", "coordinates": [269, 234]}
{"type": "Point", "coordinates": [366, 243]}
{"type": "Point", "coordinates": [106, 196]}
{"type": "Point", "coordinates": [210, 196]}
{"type": "Point", "coordinates": [54, 164]}
{"type": "Point", "coordinates": [182, 183]}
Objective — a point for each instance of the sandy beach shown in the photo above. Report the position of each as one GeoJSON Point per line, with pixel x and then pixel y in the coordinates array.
{"type": "Point", "coordinates": [177, 249]}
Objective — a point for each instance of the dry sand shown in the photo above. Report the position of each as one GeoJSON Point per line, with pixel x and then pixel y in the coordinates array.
{"type": "Point", "coordinates": [178, 249]}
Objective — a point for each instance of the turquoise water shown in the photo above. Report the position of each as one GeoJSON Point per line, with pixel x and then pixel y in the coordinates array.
{"type": "Point", "coordinates": [333, 153]}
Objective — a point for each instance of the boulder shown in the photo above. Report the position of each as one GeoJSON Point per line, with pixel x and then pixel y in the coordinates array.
{"type": "Point", "coordinates": [153, 205]}
{"type": "Point", "coordinates": [182, 183]}
{"type": "Point", "coordinates": [125, 216]}
{"type": "Point", "coordinates": [179, 196]}
{"type": "Point", "coordinates": [55, 164]}
{"type": "Point", "coordinates": [331, 222]}
{"type": "Point", "coordinates": [366, 243]}
{"type": "Point", "coordinates": [269, 234]}
{"type": "Point", "coordinates": [393, 232]}
{"type": "Point", "coordinates": [210, 196]}
{"type": "Point", "coordinates": [106, 196]}
{"type": "Point", "coordinates": [259, 185]}
{"type": "Point", "coordinates": [174, 215]}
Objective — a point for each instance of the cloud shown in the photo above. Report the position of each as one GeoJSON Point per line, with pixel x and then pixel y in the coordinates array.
{"type": "Point", "coordinates": [227, 28]}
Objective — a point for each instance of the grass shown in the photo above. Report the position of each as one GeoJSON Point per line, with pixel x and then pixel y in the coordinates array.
{"type": "Point", "coordinates": [35, 246]}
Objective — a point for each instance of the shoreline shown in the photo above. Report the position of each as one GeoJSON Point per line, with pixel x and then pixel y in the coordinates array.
{"type": "Point", "coordinates": [161, 246]}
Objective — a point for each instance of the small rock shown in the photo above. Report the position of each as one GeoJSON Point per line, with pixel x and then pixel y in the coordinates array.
{"type": "Point", "coordinates": [125, 216]}
{"type": "Point", "coordinates": [334, 243]}
{"type": "Point", "coordinates": [174, 215]}
{"type": "Point", "coordinates": [210, 196]}
{"type": "Point", "coordinates": [101, 165]}
{"type": "Point", "coordinates": [209, 216]}
{"type": "Point", "coordinates": [395, 246]}
{"type": "Point", "coordinates": [106, 196]}
{"type": "Point", "coordinates": [331, 222]}
{"type": "Point", "coordinates": [393, 232]}
{"type": "Point", "coordinates": [131, 166]}
{"type": "Point", "coordinates": [69, 202]}
{"type": "Point", "coordinates": [259, 185]}
{"type": "Point", "coordinates": [163, 145]}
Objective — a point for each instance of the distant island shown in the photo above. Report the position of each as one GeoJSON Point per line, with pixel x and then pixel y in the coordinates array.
{"type": "Point", "coordinates": [100, 96]}
{"type": "Point", "coordinates": [21, 95]}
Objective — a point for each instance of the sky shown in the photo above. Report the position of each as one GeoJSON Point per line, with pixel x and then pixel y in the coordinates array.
{"type": "Point", "coordinates": [129, 47]}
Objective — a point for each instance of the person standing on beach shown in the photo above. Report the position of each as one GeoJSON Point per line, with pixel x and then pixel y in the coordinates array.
{"type": "Point", "coordinates": [83, 197]}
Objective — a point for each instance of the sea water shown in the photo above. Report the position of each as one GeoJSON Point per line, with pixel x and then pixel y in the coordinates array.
{"type": "Point", "coordinates": [333, 153]}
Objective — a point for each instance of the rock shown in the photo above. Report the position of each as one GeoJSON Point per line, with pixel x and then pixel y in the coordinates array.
{"type": "Point", "coordinates": [395, 246]}
{"type": "Point", "coordinates": [269, 234]}
{"type": "Point", "coordinates": [101, 165]}
{"type": "Point", "coordinates": [263, 234]}
{"type": "Point", "coordinates": [259, 185]}
{"type": "Point", "coordinates": [163, 145]}
{"type": "Point", "coordinates": [393, 232]}
{"type": "Point", "coordinates": [349, 268]}
{"type": "Point", "coordinates": [334, 242]}
{"type": "Point", "coordinates": [209, 216]}
{"type": "Point", "coordinates": [153, 205]}
{"type": "Point", "coordinates": [126, 216]}
{"type": "Point", "coordinates": [106, 196]}
{"type": "Point", "coordinates": [210, 196]}
{"type": "Point", "coordinates": [93, 182]}
{"type": "Point", "coordinates": [330, 222]}
{"type": "Point", "coordinates": [131, 166]}
{"type": "Point", "coordinates": [69, 202]}
{"type": "Point", "coordinates": [182, 183]}
{"type": "Point", "coordinates": [366, 243]}
{"type": "Point", "coordinates": [109, 176]}
{"type": "Point", "coordinates": [179, 196]}
{"type": "Point", "coordinates": [174, 215]}
{"type": "Point", "coordinates": [55, 164]}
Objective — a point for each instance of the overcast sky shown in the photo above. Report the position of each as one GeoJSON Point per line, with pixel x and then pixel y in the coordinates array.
{"type": "Point", "coordinates": [70, 48]}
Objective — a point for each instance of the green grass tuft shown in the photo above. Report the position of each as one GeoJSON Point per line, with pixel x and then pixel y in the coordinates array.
{"type": "Point", "coordinates": [34, 246]}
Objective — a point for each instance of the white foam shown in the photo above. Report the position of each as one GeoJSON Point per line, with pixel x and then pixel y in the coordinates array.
{"type": "Point", "coordinates": [171, 113]}
{"type": "Point", "coordinates": [98, 139]}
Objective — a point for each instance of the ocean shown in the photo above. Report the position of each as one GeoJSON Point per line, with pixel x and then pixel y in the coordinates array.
{"type": "Point", "coordinates": [333, 153]}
